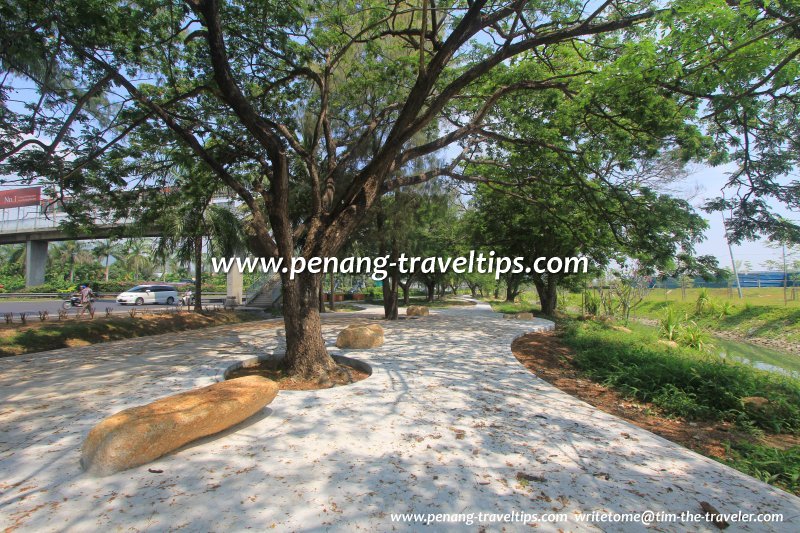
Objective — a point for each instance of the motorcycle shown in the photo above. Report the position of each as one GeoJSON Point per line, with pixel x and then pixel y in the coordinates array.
{"type": "Point", "coordinates": [74, 301]}
{"type": "Point", "coordinates": [187, 300]}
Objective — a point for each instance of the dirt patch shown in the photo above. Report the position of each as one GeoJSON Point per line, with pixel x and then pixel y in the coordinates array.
{"type": "Point", "coordinates": [546, 356]}
{"type": "Point", "coordinates": [76, 343]}
{"type": "Point", "coordinates": [276, 371]}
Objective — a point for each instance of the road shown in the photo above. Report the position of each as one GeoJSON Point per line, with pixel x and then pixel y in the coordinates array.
{"type": "Point", "coordinates": [52, 306]}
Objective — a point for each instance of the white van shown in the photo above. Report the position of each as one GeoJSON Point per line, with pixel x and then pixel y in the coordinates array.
{"type": "Point", "coordinates": [149, 294]}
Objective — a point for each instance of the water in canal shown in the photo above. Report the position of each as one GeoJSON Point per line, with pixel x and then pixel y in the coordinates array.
{"type": "Point", "coordinates": [750, 354]}
{"type": "Point", "coordinates": [759, 357]}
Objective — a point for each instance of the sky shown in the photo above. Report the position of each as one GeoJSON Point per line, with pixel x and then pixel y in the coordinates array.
{"type": "Point", "coordinates": [708, 181]}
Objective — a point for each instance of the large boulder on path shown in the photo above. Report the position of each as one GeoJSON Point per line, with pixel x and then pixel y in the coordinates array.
{"type": "Point", "coordinates": [417, 310]}
{"type": "Point", "coordinates": [360, 336]}
{"type": "Point", "coordinates": [141, 434]}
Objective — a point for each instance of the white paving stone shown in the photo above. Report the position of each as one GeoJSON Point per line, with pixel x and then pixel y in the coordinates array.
{"type": "Point", "coordinates": [444, 424]}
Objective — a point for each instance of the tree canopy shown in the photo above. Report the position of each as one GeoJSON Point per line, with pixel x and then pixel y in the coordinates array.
{"type": "Point", "coordinates": [309, 111]}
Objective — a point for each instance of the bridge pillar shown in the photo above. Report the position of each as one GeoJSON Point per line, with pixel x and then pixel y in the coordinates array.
{"type": "Point", "coordinates": [35, 262]}
{"type": "Point", "coordinates": [235, 282]}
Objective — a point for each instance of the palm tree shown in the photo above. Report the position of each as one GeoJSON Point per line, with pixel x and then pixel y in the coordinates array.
{"type": "Point", "coordinates": [72, 254]}
{"type": "Point", "coordinates": [105, 250]}
{"type": "Point", "coordinates": [12, 257]}
{"type": "Point", "coordinates": [136, 257]}
{"type": "Point", "coordinates": [189, 226]}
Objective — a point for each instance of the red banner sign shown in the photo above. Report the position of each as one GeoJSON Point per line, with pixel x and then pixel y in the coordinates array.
{"type": "Point", "coordinates": [20, 197]}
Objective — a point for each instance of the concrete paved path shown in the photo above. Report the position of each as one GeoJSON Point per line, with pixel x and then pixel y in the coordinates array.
{"type": "Point", "coordinates": [449, 422]}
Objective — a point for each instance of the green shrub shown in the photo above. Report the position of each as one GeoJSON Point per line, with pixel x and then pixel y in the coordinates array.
{"type": "Point", "coordinates": [373, 293]}
{"type": "Point", "coordinates": [675, 400]}
{"type": "Point", "coordinates": [51, 286]}
{"type": "Point", "coordinates": [726, 309]}
{"type": "Point", "coordinates": [703, 304]}
{"type": "Point", "coordinates": [692, 336]}
{"type": "Point", "coordinates": [670, 323]}
{"type": "Point", "coordinates": [592, 303]}
{"type": "Point", "coordinates": [11, 283]}
{"type": "Point", "coordinates": [111, 287]}
{"type": "Point", "coordinates": [770, 465]}
{"type": "Point", "coordinates": [683, 382]}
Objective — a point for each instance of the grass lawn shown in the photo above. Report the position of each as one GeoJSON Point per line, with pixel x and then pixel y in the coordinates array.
{"type": "Point", "coordinates": [18, 339]}
{"type": "Point", "coordinates": [694, 386]}
{"type": "Point", "coordinates": [527, 302]}
{"type": "Point", "coordinates": [761, 313]}
{"type": "Point", "coordinates": [770, 296]}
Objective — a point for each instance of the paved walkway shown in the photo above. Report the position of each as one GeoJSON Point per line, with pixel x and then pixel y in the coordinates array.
{"type": "Point", "coordinates": [446, 424]}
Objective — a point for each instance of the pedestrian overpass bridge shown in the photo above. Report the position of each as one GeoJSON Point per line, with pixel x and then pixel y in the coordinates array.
{"type": "Point", "coordinates": [36, 226]}
{"type": "Point", "coordinates": [51, 228]}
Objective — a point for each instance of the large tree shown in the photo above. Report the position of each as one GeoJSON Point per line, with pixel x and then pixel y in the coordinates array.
{"type": "Point", "coordinates": [741, 60]}
{"type": "Point", "coordinates": [544, 221]}
{"type": "Point", "coordinates": [308, 111]}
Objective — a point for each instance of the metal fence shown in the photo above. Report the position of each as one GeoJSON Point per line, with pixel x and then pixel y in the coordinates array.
{"type": "Point", "coordinates": [748, 280]}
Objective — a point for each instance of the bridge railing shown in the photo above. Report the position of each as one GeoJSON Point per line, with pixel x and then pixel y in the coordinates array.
{"type": "Point", "coordinates": [22, 225]}
{"type": "Point", "coordinates": [52, 222]}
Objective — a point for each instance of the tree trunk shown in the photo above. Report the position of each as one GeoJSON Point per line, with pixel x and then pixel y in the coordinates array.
{"type": "Point", "coordinates": [108, 259]}
{"type": "Point", "coordinates": [332, 304]}
{"type": "Point", "coordinates": [513, 283]}
{"type": "Point", "coordinates": [548, 295]}
{"type": "Point", "coordinates": [392, 280]}
{"type": "Point", "coordinates": [406, 291]}
{"type": "Point", "coordinates": [549, 301]}
{"type": "Point", "coordinates": [198, 273]}
{"type": "Point", "coordinates": [512, 290]}
{"type": "Point", "coordinates": [306, 356]}
{"type": "Point", "coordinates": [431, 286]}
{"type": "Point", "coordinates": [390, 298]}
{"type": "Point", "coordinates": [473, 289]}
{"type": "Point", "coordinates": [321, 297]}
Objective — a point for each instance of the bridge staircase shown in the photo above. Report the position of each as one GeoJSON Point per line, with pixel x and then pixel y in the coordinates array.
{"type": "Point", "coordinates": [265, 292]}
